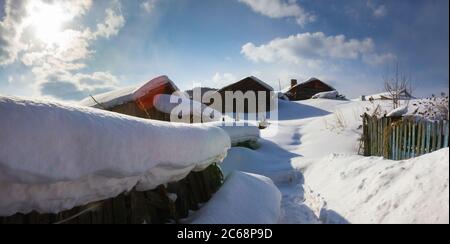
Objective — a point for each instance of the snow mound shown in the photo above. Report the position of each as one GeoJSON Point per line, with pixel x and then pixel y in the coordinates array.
{"type": "Point", "coordinates": [171, 103]}
{"type": "Point", "coordinates": [239, 131]}
{"type": "Point", "coordinates": [375, 190]}
{"type": "Point", "coordinates": [398, 112]}
{"type": "Point", "coordinates": [47, 144]}
{"type": "Point", "coordinates": [243, 199]}
{"type": "Point", "coordinates": [326, 95]}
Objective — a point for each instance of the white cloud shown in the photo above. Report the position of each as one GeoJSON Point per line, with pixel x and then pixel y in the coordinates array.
{"type": "Point", "coordinates": [57, 65]}
{"type": "Point", "coordinates": [378, 11]}
{"type": "Point", "coordinates": [67, 86]}
{"type": "Point", "coordinates": [220, 79]}
{"type": "Point", "coordinates": [18, 16]}
{"type": "Point", "coordinates": [281, 9]}
{"type": "Point", "coordinates": [149, 5]}
{"type": "Point", "coordinates": [11, 28]}
{"type": "Point", "coordinates": [10, 79]}
{"type": "Point", "coordinates": [114, 21]}
{"type": "Point", "coordinates": [312, 49]}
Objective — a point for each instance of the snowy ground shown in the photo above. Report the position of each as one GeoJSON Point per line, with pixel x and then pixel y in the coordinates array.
{"type": "Point", "coordinates": [311, 155]}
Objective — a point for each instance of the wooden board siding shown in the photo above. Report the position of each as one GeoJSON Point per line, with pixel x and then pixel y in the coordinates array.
{"type": "Point", "coordinates": [246, 85]}
{"type": "Point", "coordinates": [151, 207]}
{"type": "Point", "coordinates": [307, 90]}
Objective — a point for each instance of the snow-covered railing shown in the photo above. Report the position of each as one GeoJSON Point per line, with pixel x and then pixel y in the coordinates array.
{"type": "Point", "coordinates": [403, 138]}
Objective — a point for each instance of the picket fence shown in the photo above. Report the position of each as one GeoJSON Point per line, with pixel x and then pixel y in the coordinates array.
{"type": "Point", "coordinates": [403, 138]}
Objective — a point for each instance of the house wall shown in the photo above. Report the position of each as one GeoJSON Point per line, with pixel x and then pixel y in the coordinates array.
{"type": "Point", "coordinates": [307, 91]}
{"type": "Point", "coordinates": [245, 86]}
{"type": "Point", "coordinates": [132, 109]}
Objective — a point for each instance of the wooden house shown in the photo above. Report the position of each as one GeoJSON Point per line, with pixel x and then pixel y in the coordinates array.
{"type": "Point", "coordinates": [151, 100]}
{"type": "Point", "coordinates": [247, 86]}
{"type": "Point", "coordinates": [307, 89]}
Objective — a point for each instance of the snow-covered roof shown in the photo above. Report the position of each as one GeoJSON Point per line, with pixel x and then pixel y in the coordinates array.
{"type": "Point", "coordinates": [167, 103]}
{"type": "Point", "coordinates": [56, 156]}
{"type": "Point", "coordinates": [118, 97]}
{"type": "Point", "coordinates": [262, 83]}
{"type": "Point", "coordinates": [287, 89]}
{"type": "Point", "coordinates": [315, 79]}
{"type": "Point", "coordinates": [240, 131]}
{"type": "Point", "coordinates": [404, 95]}
{"type": "Point", "coordinates": [265, 85]}
{"type": "Point", "coordinates": [326, 95]}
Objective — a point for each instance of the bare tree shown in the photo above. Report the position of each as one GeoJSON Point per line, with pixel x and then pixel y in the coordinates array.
{"type": "Point", "coordinates": [396, 85]}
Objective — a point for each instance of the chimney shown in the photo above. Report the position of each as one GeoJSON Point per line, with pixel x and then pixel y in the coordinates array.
{"type": "Point", "coordinates": [293, 82]}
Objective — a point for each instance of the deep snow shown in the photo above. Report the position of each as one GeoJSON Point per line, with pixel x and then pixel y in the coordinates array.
{"type": "Point", "coordinates": [239, 132]}
{"type": "Point", "coordinates": [310, 154]}
{"type": "Point", "coordinates": [243, 199]}
{"type": "Point", "coordinates": [67, 155]}
{"type": "Point", "coordinates": [315, 144]}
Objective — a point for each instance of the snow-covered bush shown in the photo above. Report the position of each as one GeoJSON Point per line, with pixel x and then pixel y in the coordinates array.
{"type": "Point", "coordinates": [433, 108]}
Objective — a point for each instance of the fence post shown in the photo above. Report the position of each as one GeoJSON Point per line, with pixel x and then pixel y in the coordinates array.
{"type": "Point", "coordinates": [419, 139]}
{"type": "Point", "coordinates": [433, 136]}
{"type": "Point", "coordinates": [369, 136]}
{"type": "Point", "coordinates": [424, 137]}
{"type": "Point", "coordinates": [380, 137]}
{"type": "Point", "coordinates": [446, 133]}
{"type": "Point", "coordinates": [392, 132]}
{"type": "Point", "coordinates": [399, 141]}
{"type": "Point", "coordinates": [373, 142]}
{"type": "Point", "coordinates": [388, 138]}
{"type": "Point", "coordinates": [413, 139]}
{"type": "Point", "coordinates": [439, 135]}
{"type": "Point", "coordinates": [428, 147]}
{"type": "Point", "coordinates": [409, 135]}
{"type": "Point", "coordinates": [405, 138]}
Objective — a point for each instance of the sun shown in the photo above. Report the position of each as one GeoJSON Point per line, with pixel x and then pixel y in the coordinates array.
{"type": "Point", "coordinates": [47, 21]}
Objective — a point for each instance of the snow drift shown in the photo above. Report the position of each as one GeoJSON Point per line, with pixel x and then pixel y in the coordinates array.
{"type": "Point", "coordinates": [375, 190]}
{"type": "Point", "coordinates": [71, 154]}
{"type": "Point", "coordinates": [326, 95]}
{"type": "Point", "coordinates": [239, 131]}
{"type": "Point", "coordinates": [243, 199]}
{"type": "Point", "coordinates": [170, 104]}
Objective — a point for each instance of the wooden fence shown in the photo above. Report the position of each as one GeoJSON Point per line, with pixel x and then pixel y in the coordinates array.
{"type": "Point", "coordinates": [403, 138]}
{"type": "Point", "coordinates": [134, 207]}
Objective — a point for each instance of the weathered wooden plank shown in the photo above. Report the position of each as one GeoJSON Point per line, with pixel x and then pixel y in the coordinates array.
{"type": "Point", "coordinates": [120, 210]}
{"type": "Point", "coordinates": [439, 135]}
{"type": "Point", "coordinates": [408, 139]}
{"type": "Point", "coordinates": [385, 142]}
{"type": "Point", "coordinates": [424, 138]}
{"type": "Point", "coordinates": [397, 153]}
{"type": "Point", "coordinates": [395, 142]}
{"type": "Point", "coordinates": [433, 136]}
{"type": "Point", "coordinates": [370, 137]}
{"type": "Point", "coordinates": [446, 133]}
{"type": "Point", "coordinates": [405, 138]}
{"type": "Point", "coordinates": [367, 136]}
{"type": "Point", "coordinates": [377, 137]}
{"type": "Point", "coordinates": [413, 140]}
{"type": "Point", "coordinates": [428, 146]}
{"type": "Point", "coordinates": [419, 139]}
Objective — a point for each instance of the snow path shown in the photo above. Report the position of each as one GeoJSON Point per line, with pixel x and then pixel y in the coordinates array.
{"type": "Point", "coordinates": [301, 205]}
{"type": "Point", "coordinates": [311, 154]}
{"type": "Point", "coordinates": [276, 159]}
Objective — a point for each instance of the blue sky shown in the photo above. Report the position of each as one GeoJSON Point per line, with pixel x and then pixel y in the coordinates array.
{"type": "Point", "coordinates": [70, 49]}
